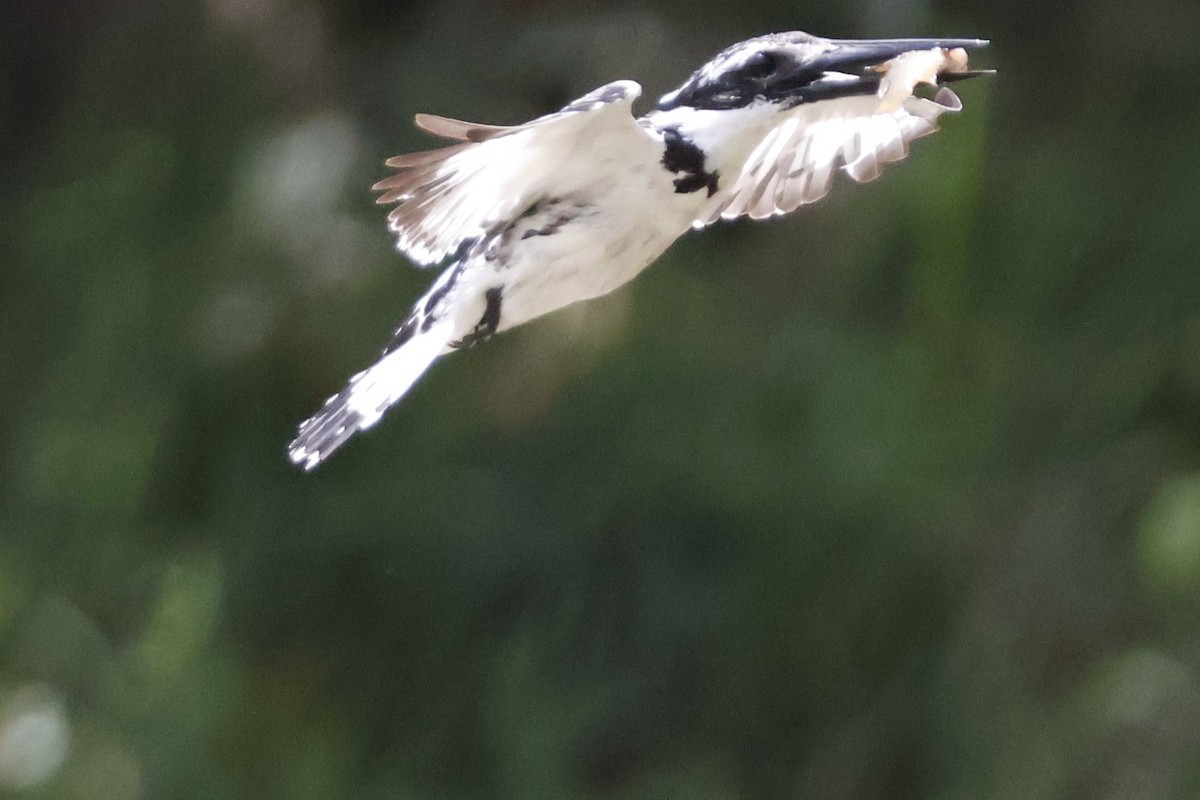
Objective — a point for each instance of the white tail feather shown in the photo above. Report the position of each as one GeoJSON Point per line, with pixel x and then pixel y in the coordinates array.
{"type": "Point", "coordinates": [368, 395]}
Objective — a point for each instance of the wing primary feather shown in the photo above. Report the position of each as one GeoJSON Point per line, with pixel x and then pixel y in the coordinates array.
{"type": "Point", "coordinates": [424, 158]}
{"type": "Point", "coordinates": [457, 129]}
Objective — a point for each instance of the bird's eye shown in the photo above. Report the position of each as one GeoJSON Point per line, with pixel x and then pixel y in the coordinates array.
{"type": "Point", "coordinates": [760, 65]}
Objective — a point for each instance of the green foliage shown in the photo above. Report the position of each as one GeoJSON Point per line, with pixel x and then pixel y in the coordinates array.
{"type": "Point", "coordinates": [894, 498]}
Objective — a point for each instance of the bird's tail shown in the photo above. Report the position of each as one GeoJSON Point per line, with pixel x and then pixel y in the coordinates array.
{"type": "Point", "coordinates": [368, 394]}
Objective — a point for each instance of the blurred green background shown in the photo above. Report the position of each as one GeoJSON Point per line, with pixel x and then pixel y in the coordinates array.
{"type": "Point", "coordinates": [898, 497]}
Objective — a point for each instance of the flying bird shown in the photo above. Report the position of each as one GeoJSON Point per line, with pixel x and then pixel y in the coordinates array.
{"type": "Point", "coordinates": [527, 219]}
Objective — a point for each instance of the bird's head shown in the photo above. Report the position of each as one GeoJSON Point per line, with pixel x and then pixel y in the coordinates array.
{"type": "Point", "coordinates": [786, 69]}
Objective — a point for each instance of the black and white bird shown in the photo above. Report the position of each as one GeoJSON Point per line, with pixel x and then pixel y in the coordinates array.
{"type": "Point", "coordinates": [531, 218]}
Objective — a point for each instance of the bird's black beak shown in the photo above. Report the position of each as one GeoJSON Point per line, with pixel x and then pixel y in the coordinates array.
{"type": "Point", "coordinates": [793, 68]}
{"type": "Point", "coordinates": [856, 66]}
{"type": "Point", "coordinates": [851, 55]}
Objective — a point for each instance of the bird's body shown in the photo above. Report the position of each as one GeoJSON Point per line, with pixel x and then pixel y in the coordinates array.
{"type": "Point", "coordinates": [575, 204]}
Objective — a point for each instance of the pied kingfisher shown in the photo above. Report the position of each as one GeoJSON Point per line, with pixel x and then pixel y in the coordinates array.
{"type": "Point", "coordinates": [531, 218]}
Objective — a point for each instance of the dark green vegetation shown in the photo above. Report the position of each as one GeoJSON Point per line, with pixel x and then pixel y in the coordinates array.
{"type": "Point", "coordinates": [896, 498]}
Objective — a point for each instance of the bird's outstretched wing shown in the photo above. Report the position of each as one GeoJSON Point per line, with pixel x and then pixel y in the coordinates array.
{"type": "Point", "coordinates": [796, 161]}
{"type": "Point", "coordinates": [455, 194]}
